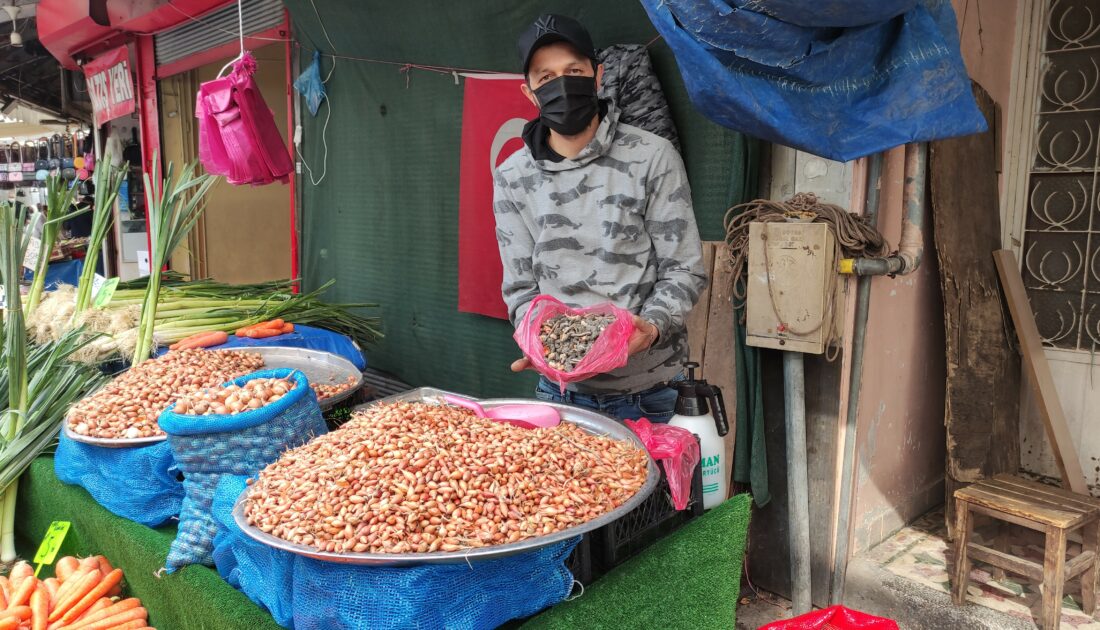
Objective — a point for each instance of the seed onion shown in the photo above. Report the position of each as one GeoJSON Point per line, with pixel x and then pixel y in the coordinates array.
{"type": "Point", "coordinates": [234, 398]}
{"type": "Point", "coordinates": [414, 478]}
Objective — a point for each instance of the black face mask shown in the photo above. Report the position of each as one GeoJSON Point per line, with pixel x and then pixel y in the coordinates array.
{"type": "Point", "coordinates": [568, 103]}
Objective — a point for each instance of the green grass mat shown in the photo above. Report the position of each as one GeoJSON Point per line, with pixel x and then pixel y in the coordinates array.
{"type": "Point", "coordinates": [689, 580]}
{"type": "Point", "coordinates": [194, 598]}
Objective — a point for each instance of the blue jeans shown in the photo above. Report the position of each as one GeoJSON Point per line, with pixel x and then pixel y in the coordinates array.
{"type": "Point", "coordinates": [657, 404]}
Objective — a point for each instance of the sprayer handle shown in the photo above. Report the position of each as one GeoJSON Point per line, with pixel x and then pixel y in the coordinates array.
{"type": "Point", "coordinates": [718, 408]}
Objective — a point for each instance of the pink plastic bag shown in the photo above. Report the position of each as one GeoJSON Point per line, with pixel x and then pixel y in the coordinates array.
{"type": "Point", "coordinates": [608, 353]}
{"type": "Point", "coordinates": [238, 137]}
{"type": "Point", "coordinates": [676, 449]}
{"type": "Point", "coordinates": [834, 618]}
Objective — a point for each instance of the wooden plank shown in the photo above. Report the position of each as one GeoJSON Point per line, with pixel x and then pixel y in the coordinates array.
{"type": "Point", "coordinates": [982, 430]}
{"type": "Point", "coordinates": [1005, 516]}
{"type": "Point", "coordinates": [962, 560]}
{"type": "Point", "coordinates": [718, 359]}
{"type": "Point", "coordinates": [1019, 507]}
{"type": "Point", "coordinates": [1035, 361]}
{"type": "Point", "coordinates": [696, 322]}
{"type": "Point", "coordinates": [1054, 565]}
{"type": "Point", "coordinates": [1034, 486]}
{"type": "Point", "coordinates": [1090, 580]}
{"type": "Point", "coordinates": [1040, 501]}
{"type": "Point", "coordinates": [1077, 565]}
{"type": "Point", "coordinates": [1002, 560]}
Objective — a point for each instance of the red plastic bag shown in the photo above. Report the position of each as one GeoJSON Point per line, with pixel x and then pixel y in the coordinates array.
{"type": "Point", "coordinates": [676, 449]}
{"type": "Point", "coordinates": [834, 618]}
{"type": "Point", "coordinates": [238, 137]}
{"type": "Point", "coordinates": [608, 353]}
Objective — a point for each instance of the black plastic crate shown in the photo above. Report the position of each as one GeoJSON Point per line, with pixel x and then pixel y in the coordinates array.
{"type": "Point", "coordinates": [606, 548]}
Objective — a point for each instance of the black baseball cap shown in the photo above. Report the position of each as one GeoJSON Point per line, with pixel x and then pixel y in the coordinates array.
{"type": "Point", "coordinates": [550, 28]}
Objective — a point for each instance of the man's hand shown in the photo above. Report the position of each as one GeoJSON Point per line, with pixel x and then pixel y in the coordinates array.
{"type": "Point", "coordinates": [643, 337]}
{"type": "Point", "coordinates": [520, 365]}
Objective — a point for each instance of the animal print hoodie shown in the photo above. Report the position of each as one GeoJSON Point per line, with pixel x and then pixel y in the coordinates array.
{"type": "Point", "coordinates": [614, 224]}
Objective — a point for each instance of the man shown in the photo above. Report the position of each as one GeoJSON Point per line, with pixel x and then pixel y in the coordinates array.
{"type": "Point", "coordinates": [592, 211]}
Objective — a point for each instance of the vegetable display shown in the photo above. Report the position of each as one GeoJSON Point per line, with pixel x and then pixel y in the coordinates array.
{"type": "Point", "coordinates": [128, 407]}
{"type": "Point", "coordinates": [413, 478]}
{"type": "Point", "coordinates": [108, 181]}
{"type": "Point", "coordinates": [234, 398]}
{"type": "Point", "coordinates": [84, 594]}
{"type": "Point", "coordinates": [324, 391]}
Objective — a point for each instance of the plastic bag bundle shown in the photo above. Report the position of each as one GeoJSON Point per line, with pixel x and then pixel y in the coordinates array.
{"type": "Point", "coordinates": [238, 137]}
{"type": "Point", "coordinates": [676, 449]}
{"type": "Point", "coordinates": [609, 352]}
{"type": "Point", "coordinates": [306, 594]}
{"type": "Point", "coordinates": [207, 447]}
{"type": "Point", "coordinates": [141, 484]}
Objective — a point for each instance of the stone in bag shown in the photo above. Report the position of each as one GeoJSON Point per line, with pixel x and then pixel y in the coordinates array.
{"type": "Point", "coordinates": [208, 447]}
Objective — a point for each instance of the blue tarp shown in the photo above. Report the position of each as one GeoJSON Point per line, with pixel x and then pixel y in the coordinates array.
{"type": "Point", "coordinates": [303, 337]}
{"type": "Point", "coordinates": [837, 78]}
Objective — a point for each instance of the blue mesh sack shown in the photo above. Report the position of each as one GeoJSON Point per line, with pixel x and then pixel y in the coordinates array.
{"type": "Point", "coordinates": [306, 594]}
{"type": "Point", "coordinates": [207, 447]}
{"type": "Point", "coordinates": [108, 474]}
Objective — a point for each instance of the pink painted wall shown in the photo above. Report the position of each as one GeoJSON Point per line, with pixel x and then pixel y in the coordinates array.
{"type": "Point", "coordinates": [900, 435]}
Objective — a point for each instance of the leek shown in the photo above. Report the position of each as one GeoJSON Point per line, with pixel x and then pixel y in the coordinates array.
{"type": "Point", "coordinates": [108, 181]}
{"type": "Point", "coordinates": [174, 205]}
{"type": "Point", "coordinates": [59, 198]}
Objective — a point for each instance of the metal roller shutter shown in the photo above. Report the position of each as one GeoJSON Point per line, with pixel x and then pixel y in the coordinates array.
{"type": "Point", "coordinates": [215, 29]}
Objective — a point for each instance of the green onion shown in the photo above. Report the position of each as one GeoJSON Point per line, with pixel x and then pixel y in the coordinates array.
{"type": "Point", "coordinates": [59, 197]}
{"type": "Point", "coordinates": [108, 181]}
{"type": "Point", "coordinates": [174, 205]}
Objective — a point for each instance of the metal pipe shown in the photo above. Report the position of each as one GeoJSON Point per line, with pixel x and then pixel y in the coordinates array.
{"type": "Point", "coordinates": [798, 497]}
{"type": "Point", "coordinates": [911, 248]}
{"type": "Point", "coordinates": [859, 335]}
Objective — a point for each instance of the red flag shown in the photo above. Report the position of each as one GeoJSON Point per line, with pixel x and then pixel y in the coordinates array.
{"type": "Point", "coordinates": [493, 114]}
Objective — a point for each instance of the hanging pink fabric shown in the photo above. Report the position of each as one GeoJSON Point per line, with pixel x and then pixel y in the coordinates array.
{"type": "Point", "coordinates": [237, 133]}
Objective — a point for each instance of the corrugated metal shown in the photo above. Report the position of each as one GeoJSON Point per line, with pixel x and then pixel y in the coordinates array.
{"type": "Point", "coordinates": [217, 28]}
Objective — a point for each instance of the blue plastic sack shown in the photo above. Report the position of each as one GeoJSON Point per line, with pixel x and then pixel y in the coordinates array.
{"type": "Point", "coordinates": [306, 594]}
{"type": "Point", "coordinates": [207, 447]}
{"type": "Point", "coordinates": [110, 475]}
{"type": "Point", "coordinates": [837, 78]}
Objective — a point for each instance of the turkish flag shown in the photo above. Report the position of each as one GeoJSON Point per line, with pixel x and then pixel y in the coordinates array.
{"type": "Point", "coordinates": [494, 111]}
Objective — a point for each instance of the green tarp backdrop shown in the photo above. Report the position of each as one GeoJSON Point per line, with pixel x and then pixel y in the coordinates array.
{"type": "Point", "coordinates": [384, 222]}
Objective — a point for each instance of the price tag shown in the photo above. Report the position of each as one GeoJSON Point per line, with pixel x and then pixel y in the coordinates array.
{"type": "Point", "coordinates": [30, 261]}
{"type": "Point", "coordinates": [51, 544]}
{"type": "Point", "coordinates": [143, 263]}
{"type": "Point", "coordinates": [105, 291]}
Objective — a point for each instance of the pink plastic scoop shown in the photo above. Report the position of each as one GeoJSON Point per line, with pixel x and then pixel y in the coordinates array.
{"type": "Point", "coordinates": [528, 416]}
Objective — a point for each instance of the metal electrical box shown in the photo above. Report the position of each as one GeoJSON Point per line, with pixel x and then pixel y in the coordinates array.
{"type": "Point", "coordinates": [793, 284]}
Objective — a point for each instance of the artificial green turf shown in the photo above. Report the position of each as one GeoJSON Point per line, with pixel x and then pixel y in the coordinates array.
{"type": "Point", "coordinates": [688, 580]}
{"type": "Point", "coordinates": [194, 598]}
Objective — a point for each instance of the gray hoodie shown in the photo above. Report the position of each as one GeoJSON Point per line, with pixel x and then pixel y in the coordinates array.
{"type": "Point", "coordinates": [614, 224]}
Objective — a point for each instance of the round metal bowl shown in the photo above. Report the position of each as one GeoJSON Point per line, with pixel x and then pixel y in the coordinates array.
{"type": "Point", "coordinates": [318, 366]}
{"type": "Point", "coordinates": [590, 421]}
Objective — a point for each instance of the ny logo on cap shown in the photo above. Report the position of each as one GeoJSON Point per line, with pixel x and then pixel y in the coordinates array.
{"type": "Point", "coordinates": [544, 25]}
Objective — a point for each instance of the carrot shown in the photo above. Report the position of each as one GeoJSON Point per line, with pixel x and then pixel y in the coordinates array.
{"type": "Point", "coordinates": [65, 568]}
{"type": "Point", "coordinates": [68, 585]}
{"type": "Point", "coordinates": [114, 620]}
{"type": "Point", "coordinates": [105, 568]}
{"type": "Point", "coordinates": [204, 340]}
{"type": "Point", "coordinates": [130, 625]}
{"type": "Point", "coordinates": [99, 590]}
{"type": "Point", "coordinates": [51, 585]}
{"type": "Point", "coordinates": [114, 609]}
{"type": "Point", "coordinates": [101, 603]}
{"type": "Point", "coordinates": [22, 593]}
{"type": "Point", "coordinates": [5, 591]}
{"type": "Point", "coordinates": [18, 572]}
{"type": "Point", "coordinates": [262, 333]}
{"type": "Point", "coordinates": [69, 599]}
{"type": "Point", "coordinates": [288, 328]}
{"type": "Point", "coordinates": [40, 608]}
{"type": "Point", "coordinates": [9, 623]}
{"type": "Point", "coordinates": [21, 613]}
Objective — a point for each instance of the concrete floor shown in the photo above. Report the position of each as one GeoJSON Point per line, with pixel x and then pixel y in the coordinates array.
{"type": "Point", "coordinates": [755, 610]}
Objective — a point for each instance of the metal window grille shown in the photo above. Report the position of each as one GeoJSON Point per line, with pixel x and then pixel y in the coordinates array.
{"type": "Point", "coordinates": [1061, 254]}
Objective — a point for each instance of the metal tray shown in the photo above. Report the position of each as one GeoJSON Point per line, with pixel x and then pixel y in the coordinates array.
{"type": "Point", "coordinates": [590, 421]}
{"type": "Point", "coordinates": [318, 366]}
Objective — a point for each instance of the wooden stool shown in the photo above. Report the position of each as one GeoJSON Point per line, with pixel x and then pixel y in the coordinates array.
{"type": "Point", "coordinates": [1047, 509]}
